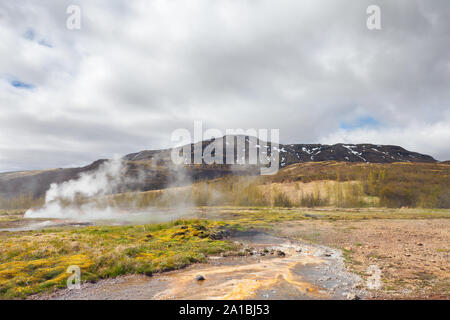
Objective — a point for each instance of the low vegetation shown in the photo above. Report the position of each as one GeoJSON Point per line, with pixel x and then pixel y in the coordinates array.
{"type": "Point", "coordinates": [31, 262]}
{"type": "Point", "coordinates": [423, 185]}
{"type": "Point", "coordinates": [267, 217]}
{"type": "Point", "coordinates": [20, 202]}
{"type": "Point", "coordinates": [312, 184]}
{"type": "Point", "coordinates": [315, 184]}
{"type": "Point", "coordinates": [37, 261]}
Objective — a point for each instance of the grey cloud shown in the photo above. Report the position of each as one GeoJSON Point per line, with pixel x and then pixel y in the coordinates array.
{"type": "Point", "coordinates": [138, 70]}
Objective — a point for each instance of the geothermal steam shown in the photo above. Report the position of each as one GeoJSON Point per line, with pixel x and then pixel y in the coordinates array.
{"type": "Point", "coordinates": [86, 198]}
{"type": "Point", "coordinates": [61, 199]}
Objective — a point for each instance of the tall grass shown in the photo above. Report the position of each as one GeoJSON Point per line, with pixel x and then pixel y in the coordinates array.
{"type": "Point", "coordinates": [334, 184]}
{"type": "Point", "coordinates": [425, 185]}
{"type": "Point", "coordinates": [22, 202]}
{"type": "Point", "coordinates": [409, 187]}
{"type": "Point", "coordinates": [232, 191]}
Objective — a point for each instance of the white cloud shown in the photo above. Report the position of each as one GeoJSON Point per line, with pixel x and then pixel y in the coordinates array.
{"type": "Point", "coordinates": [138, 70]}
{"type": "Point", "coordinates": [428, 139]}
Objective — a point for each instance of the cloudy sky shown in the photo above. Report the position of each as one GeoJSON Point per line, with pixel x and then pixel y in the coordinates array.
{"type": "Point", "coordinates": [137, 70]}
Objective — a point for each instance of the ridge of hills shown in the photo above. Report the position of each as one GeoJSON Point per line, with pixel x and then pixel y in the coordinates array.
{"type": "Point", "coordinates": [156, 171]}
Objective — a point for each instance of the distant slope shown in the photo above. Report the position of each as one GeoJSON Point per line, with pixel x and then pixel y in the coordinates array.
{"type": "Point", "coordinates": [297, 153]}
{"type": "Point", "coordinates": [36, 182]}
{"type": "Point", "coordinates": [154, 167]}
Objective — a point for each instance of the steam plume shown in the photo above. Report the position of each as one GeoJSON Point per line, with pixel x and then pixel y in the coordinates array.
{"type": "Point", "coordinates": [61, 200]}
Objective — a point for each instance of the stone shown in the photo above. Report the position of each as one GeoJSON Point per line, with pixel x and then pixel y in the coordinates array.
{"type": "Point", "coordinates": [281, 253]}
{"type": "Point", "coordinates": [199, 277]}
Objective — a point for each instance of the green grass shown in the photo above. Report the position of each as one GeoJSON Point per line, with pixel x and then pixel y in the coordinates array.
{"type": "Point", "coordinates": [36, 261]}
{"type": "Point", "coordinates": [260, 217]}
{"type": "Point", "coordinates": [32, 262]}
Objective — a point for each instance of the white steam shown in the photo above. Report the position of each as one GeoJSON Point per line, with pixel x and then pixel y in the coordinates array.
{"type": "Point", "coordinates": [108, 177]}
{"type": "Point", "coordinates": [61, 199]}
{"type": "Point", "coordinates": [87, 198]}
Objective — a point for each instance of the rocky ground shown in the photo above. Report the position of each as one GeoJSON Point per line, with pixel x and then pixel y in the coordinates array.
{"type": "Point", "coordinates": [269, 268]}
{"type": "Point", "coordinates": [412, 254]}
{"type": "Point", "coordinates": [316, 254]}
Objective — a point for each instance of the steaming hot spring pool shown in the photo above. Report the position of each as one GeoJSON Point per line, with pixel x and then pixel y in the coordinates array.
{"type": "Point", "coordinates": [35, 220]}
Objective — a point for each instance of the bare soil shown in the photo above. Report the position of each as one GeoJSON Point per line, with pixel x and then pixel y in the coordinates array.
{"type": "Point", "coordinates": [413, 255]}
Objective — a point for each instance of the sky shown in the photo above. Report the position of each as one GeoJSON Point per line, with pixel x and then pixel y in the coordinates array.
{"type": "Point", "coordinates": [137, 70]}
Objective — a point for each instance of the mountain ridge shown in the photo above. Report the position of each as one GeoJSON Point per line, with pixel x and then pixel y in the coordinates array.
{"type": "Point", "coordinates": [156, 170]}
{"type": "Point", "coordinates": [294, 153]}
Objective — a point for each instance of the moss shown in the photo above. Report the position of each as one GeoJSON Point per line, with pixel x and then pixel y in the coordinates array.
{"type": "Point", "coordinates": [266, 218]}
{"type": "Point", "coordinates": [31, 262]}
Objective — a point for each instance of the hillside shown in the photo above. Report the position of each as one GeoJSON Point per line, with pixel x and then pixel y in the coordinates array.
{"type": "Point", "coordinates": [153, 169]}
{"type": "Point", "coordinates": [313, 184]}
{"type": "Point", "coordinates": [298, 153]}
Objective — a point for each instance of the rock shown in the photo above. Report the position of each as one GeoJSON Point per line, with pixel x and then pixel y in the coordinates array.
{"type": "Point", "coordinates": [419, 244]}
{"type": "Point", "coordinates": [220, 234]}
{"type": "Point", "coordinates": [352, 296]}
{"type": "Point", "coordinates": [199, 227]}
{"type": "Point", "coordinates": [281, 253]}
{"type": "Point", "coordinates": [199, 277]}
{"type": "Point", "coordinates": [202, 235]}
{"type": "Point", "coordinates": [181, 233]}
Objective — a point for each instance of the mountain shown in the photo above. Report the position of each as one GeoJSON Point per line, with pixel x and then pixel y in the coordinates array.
{"type": "Point", "coordinates": [154, 168]}
{"type": "Point", "coordinates": [296, 153]}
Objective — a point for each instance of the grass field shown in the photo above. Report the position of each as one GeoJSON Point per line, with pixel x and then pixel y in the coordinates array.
{"type": "Point", "coordinates": [36, 261]}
